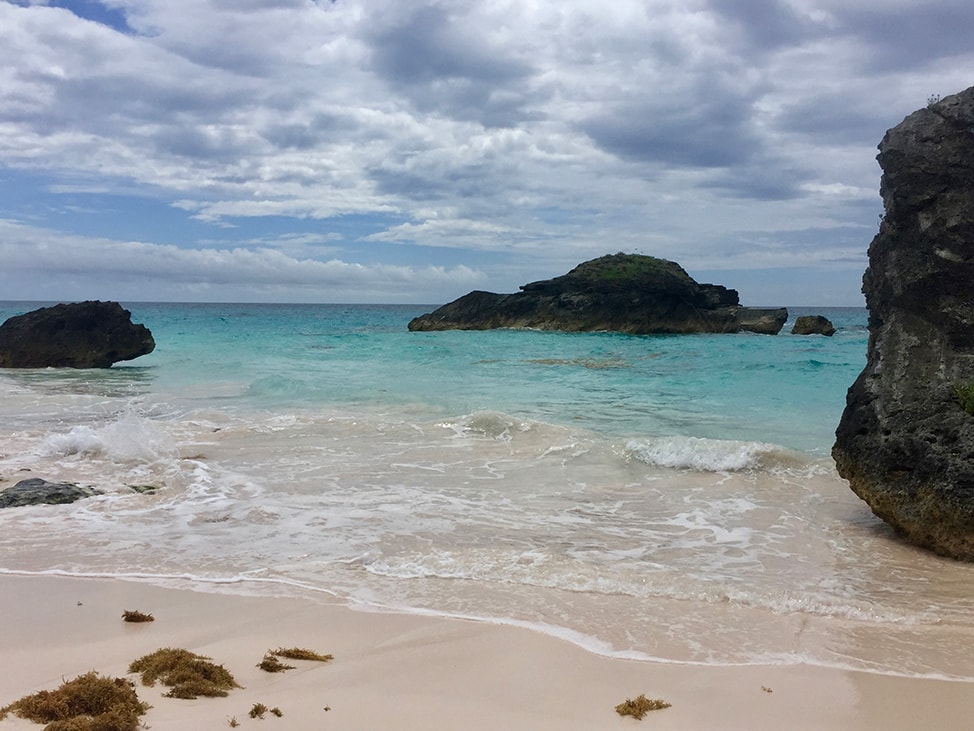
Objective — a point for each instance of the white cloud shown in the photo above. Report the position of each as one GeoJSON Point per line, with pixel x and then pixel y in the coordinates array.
{"type": "Point", "coordinates": [492, 129]}
{"type": "Point", "coordinates": [240, 274]}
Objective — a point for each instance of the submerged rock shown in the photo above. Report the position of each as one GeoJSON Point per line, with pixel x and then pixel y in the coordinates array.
{"type": "Point", "coordinates": [905, 441]}
{"type": "Point", "coordinates": [813, 325]}
{"type": "Point", "coordinates": [78, 335]}
{"type": "Point", "coordinates": [36, 491]}
{"type": "Point", "coordinates": [621, 292]}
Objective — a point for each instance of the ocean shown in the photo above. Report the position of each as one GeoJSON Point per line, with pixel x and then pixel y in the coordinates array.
{"type": "Point", "coordinates": [666, 498]}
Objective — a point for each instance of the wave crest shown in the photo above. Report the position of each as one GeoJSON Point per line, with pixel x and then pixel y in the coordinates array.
{"type": "Point", "coordinates": [490, 424]}
{"type": "Point", "coordinates": [129, 438]}
{"type": "Point", "coordinates": [712, 455]}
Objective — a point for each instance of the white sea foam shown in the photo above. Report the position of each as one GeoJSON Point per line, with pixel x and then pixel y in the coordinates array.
{"type": "Point", "coordinates": [130, 437]}
{"type": "Point", "coordinates": [711, 455]}
{"type": "Point", "coordinates": [490, 424]}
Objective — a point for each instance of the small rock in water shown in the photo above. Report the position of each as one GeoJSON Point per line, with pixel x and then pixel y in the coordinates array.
{"type": "Point", "coordinates": [36, 491]}
{"type": "Point", "coordinates": [813, 325]}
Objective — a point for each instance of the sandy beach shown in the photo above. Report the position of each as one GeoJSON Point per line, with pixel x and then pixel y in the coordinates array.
{"type": "Point", "coordinates": [416, 672]}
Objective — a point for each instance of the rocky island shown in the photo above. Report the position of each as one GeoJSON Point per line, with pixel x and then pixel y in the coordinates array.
{"type": "Point", "coordinates": [630, 293]}
{"type": "Point", "coordinates": [905, 441]}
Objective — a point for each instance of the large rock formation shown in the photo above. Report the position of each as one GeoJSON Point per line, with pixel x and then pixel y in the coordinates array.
{"type": "Point", "coordinates": [621, 292]}
{"type": "Point", "coordinates": [78, 335]}
{"type": "Point", "coordinates": [905, 442]}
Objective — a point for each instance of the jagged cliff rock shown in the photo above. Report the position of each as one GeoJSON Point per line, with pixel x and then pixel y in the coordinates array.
{"type": "Point", "coordinates": [905, 441]}
{"type": "Point", "coordinates": [621, 292]}
{"type": "Point", "coordinates": [78, 335]}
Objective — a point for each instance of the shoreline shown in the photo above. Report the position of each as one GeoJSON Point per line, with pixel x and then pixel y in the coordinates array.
{"type": "Point", "coordinates": [420, 672]}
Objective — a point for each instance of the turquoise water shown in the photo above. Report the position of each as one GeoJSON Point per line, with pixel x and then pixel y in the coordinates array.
{"type": "Point", "coordinates": [667, 497]}
{"type": "Point", "coordinates": [787, 389]}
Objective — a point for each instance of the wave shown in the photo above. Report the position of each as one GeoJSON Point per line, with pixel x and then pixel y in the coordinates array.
{"type": "Point", "coordinates": [713, 455]}
{"type": "Point", "coordinates": [672, 452]}
{"type": "Point", "coordinates": [698, 593]}
{"type": "Point", "coordinates": [129, 438]}
{"type": "Point", "coordinates": [502, 427]}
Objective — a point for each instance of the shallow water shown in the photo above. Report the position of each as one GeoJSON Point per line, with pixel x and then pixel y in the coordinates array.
{"type": "Point", "coordinates": [650, 497]}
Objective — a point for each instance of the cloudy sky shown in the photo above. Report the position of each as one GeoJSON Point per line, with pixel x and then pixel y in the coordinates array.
{"type": "Point", "coordinates": [413, 150]}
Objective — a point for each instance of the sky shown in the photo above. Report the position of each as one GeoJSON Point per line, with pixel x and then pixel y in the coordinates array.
{"type": "Point", "coordinates": [410, 151]}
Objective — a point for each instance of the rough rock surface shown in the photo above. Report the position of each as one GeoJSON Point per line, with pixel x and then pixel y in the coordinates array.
{"type": "Point", "coordinates": [36, 491]}
{"type": "Point", "coordinates": [813, 325]}
{"type": "Point", "coordinates": [905, 441]}
{"type": "Point", "coordinates": [621, 292]}
{"type": "Point", "coordinates": [78, 335]}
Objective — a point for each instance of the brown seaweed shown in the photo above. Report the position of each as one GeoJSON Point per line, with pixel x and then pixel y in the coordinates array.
{"type": "Point", "coordinates": [90, 702]}
{"type": "Point", "coordinates": [640, 706]}
{"type": "Point", "coordinates": [271, 664]}
{"type": "Point", "coordinates": [300, 653]}
{"type": "Point", "coordinates": [134, 615]}
{"type": "Point", "coordinates": [189, 675]}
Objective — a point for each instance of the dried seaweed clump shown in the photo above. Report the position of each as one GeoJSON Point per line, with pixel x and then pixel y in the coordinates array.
{"type": "Point", "coordinates": [271, 664]}
{"type": "Point", "coordinates": [640, 706]}
{"type": "Point", "coordinates": [134, 615]}
{"type": "Point", "coordinates": [299, 653]}
{"type": "Point", "coordinates": [188, 674]}
{"type": "Point", "coordinates": [259, 709]}
{"type": "Point", "coordinates": [90, 702]}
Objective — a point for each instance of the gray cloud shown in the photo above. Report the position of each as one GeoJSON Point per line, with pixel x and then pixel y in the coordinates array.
{"type": "Point", "coordinates": [905, 35]}
{"type": "Point", "coordinates": [445, 65]}
{"type": "Point", "coordinates": [428, 45]}
{"type": "Point", "coordinates": [765, 26]}
{"type": "Point", "coordinates": [708, 130]}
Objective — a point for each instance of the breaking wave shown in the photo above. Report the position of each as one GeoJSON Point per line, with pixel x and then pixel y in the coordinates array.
{"type": "Point", "coordinates": [713, 455]}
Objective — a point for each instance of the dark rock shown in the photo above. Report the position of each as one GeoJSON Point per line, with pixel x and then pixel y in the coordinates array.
{"type": "Point", "coordinates": [813, 325]}
{"type": "Point", "coordinates": [621, 292]}
{"type": "Point", "coordinates": [36, 491]}
{"type": "Point", "coordinates": [78, 335]}
{"type": "Point", "coordinates": [761, 320]}
{"type": "Point", "coordinates": [905, 441]}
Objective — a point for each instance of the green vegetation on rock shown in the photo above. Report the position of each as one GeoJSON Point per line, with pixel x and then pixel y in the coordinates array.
{"type": "Point", "coordinates": [964, 395]}
{"type": "Point", "coordinates": [627, 267]}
